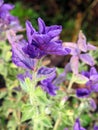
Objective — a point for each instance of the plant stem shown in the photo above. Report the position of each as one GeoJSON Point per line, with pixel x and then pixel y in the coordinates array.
{"type": "Point", "coordinates": [58, 121]}
{"type": "Point", "coordinates": [70, 83]}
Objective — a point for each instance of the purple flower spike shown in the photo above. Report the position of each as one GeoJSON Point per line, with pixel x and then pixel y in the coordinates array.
{"type": "Point", "coordinates": [44, 41]}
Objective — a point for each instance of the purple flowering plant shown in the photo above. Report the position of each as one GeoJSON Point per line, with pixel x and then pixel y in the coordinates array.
{"type": "Point", "coordinates": [47, 98]}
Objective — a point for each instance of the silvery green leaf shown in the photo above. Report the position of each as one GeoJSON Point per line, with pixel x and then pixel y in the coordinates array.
{"type": "Point", "coordinates": [80, 79]}
{"type": "Point", "coordinates": [27, 112]}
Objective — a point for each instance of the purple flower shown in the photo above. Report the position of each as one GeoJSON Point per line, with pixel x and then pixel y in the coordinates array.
{"type": "Point", "coordinates": [91, 85]}
{"type": "Point", "coordinates": [48, 74]}
{"type": "Point", "coordinates": [48, 86]}
{"type": "Point", "coordinates": [77, 126]}
{"type": "Point", "coordinates": [18, 56]}
{"type": "Point", "coordinates": [95, 127]}
{"type": "Point", "coordinates": [7, 21]}
{"type": "Point", "coordinates": [4, 12]}
{"type": "Point", "coordinates": [44, 41]}
{"type": "Point", "coordinates": [79, 51]}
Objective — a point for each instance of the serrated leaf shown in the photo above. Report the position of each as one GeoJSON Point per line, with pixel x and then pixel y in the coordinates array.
{"type": "Point", "coordinates": [27, 112]}
{"type": "Point", "coordinates": [41, 96]}
{"type": "Point", "coordinates": [47, 122]}
{"type": "Point", "coordinates": [26, 84]}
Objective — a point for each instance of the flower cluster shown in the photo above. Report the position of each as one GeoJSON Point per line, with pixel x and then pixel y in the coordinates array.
{"type": "Point", "coordinates": [26, 53]}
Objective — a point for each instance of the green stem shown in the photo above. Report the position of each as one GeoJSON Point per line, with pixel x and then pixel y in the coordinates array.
{"type": "Point", "coordinates": [58, 121]}
{"type": "Point", "coordinates": [35, 125]}
{"type": "Point", "coordinates": [70, 83]}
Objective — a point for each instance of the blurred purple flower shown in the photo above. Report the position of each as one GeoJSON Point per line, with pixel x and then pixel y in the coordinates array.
{"type": "Point", "coordinates": [91, 85]}
{"type": "Point", "coordinates": [7, 21]}
{"type": "Point", "coordinates": [46, 84]}
{"type": "Point", "coordinates": [95, 127]}
{"type": "Point", "coordinates": [76, 51]}
{"type": "Point", "coordinates": [44, 41]}
{"type": "Point", "coordinates": [92, 104]}
{"type": "Point", "coordinates": [77, 126]}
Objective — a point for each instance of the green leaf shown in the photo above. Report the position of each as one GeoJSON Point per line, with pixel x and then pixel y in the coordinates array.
{"type": "Point", "coordinates": [80, 79]}
{"type": "Point", "coordinates": [2, 94]}
{"type": "Point", "coordinates": [41, 96]}
{"type": "Point", "coordinates": [46, 122]}
{"type": "Point", "coordinates": [59, 70]}
{"type": "Point", "coordinates": [27, 112]}
{"type": "Point", "coordinates": [26, 84]}
{"type": "Point", "coordinates": [86, 119]}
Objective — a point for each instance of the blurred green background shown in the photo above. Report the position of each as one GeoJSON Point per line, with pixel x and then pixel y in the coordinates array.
{"type": "Point", "coordinates": [73, 15]}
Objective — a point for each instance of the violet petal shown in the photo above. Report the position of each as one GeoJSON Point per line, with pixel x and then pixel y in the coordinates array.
{"type": "Point", "coordinates": [86, 58]}
{"type": "Point", "coordinates": [83, 92]}
{"type": "Point", "coordinates": [82, 42]}
{"type": "Point", "coordinates": [74, 62]}
{"type": "Point", "coordinates": [41, 26]}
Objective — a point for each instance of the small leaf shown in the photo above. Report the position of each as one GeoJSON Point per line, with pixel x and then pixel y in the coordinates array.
{"type": "Point", "coordinates": [80, 79]}
{"type": "Point", "coordinates": [2, 94]}
{"type": "Point", "coordinates": [47, 122]}
{"type": "Point", "coordinates": [27, 112]}
{"type": "Point", "coordinates": [59, 70]}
